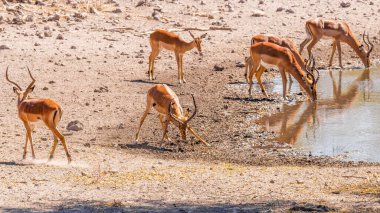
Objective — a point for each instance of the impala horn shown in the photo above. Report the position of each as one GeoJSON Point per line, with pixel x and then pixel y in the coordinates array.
{"type": "Point", "coordinates": [195, 110]}
{"type": "Point", "coordinates": [6, 76]}
{"type": "Point", "coordinates": [369, 46]}
{"type": "Point", "coordinates": [33, 80]}
{"type": "Point", "coordinates": [173, 116]}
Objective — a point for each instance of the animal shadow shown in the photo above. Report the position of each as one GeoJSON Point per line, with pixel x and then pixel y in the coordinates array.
{"type": "Point", "coordinates": [148, 82]}
{"type": "Point", "coordinates": [145, 146]}
{"type": "Point", "coordinates": [248, 99]}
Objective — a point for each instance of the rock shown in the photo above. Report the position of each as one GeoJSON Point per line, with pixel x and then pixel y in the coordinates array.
{"type": "Point", "coordinates": [279, 9]}
{"type": "Point", "coordinates": [39, 3]}
{"type": "Point", "coordinates": [73, 47]}
{"type": "Point", "coordinates": [17, 20]}
{"type": "Point", "coordinates": [4, 47]}
{"type": "Point", "coordinates": [54, 17]}
{"type": "Point", "coordinates": [261, 2]}
{"type": "Point", "coordinates": [79, 15]}
{"type": "Point", "coordinates": [258, 13]}
{"type": "Point", "coordinates": [141, 3]}
{"type": "Point", "coordinates": [75, 126]}
{"type": "Point", "coordinates": [94, 10]}
{"type": "Point", "coordinates": [230, 8]}
{"type": "Point", "coordinates": [218, 67]}
{"type": "Point", "coordinates": [156, 15]}
{"type": "Point", "coordinates": [45, 88]}
{"type": "Point", "coordinates": [289, 11]}
{"type": "Point", "coordinates": [240, 64]}
{"type": "Point", "coordinates": [48, 33]}
{"type": "Point", "coordinates": [101, 89]}
{"type": "Point", "coordinates": [29, 18]}
{"type": "Point", "coordinates": [37, 44]}
{"type": "Point", "coordinates": [345, 4]}
{"type": "Point", "coordinates": [60, 36]}
{"type": "Point", "coordinates": [117, 10]}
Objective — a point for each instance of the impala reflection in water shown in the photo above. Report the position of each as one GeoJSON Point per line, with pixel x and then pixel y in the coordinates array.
{"type": "Point", "coordinates": [345, 121]}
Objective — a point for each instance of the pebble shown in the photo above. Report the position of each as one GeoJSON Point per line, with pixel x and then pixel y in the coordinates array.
{"type": "Point", "coordinates": [74, 126]}
{"type": "Point", "coordinates": [60, 36]}
{"type": "Point", "coordinates": [258, 13]}
{"type": "Point", "coordinates": [218, 67]}
{"type": "Point", "coordinates": [4, 47]}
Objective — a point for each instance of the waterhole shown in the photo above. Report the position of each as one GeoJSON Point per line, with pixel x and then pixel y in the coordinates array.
{"type": "Point", "coordinates": [344, 121]}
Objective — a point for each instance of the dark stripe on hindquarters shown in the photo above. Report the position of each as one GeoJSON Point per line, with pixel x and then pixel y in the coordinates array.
{"type": "Point", "coordinates": [55, 114]}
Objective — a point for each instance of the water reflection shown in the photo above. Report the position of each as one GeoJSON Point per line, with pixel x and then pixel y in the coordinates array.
{"type": "Point", "coordinates": [344, 121]}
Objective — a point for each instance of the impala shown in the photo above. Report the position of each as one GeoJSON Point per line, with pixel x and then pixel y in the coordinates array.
{"type": "Point", "coordinates": [166, 102]}
{"type": "Point", "coordinates": [170, 41]}
{"type": "Point", "coordinates": [284, 59]}
{"type": "Point", "coordinates": [31, 110]}
{"type": "Point", "coordinates": [339, 31]}
{"type": "Point", "coordinates": [284, 42]}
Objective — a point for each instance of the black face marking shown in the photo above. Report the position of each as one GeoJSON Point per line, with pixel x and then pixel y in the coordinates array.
{"type": "Point", "coordinates": [154, 104]}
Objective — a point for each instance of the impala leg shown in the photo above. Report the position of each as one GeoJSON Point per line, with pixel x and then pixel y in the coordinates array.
{"type": "Point", "coordinates": [258, 77]}
{"type": "Point", "coordinates": [339, 53]}
{"type": "Point", "coordinates": [25, 145]}
{"type": "Point", "coordinates": [29, 137]}
{"type": "Point", "coordinates": [178, 67]}
{"type": "Point", "coordinates": [63, 141]}
{"type": "Point", "coordinates": [248, 65]}
{"type": "Point", "coordinates": [302, 45]}
{"type": "Point", "coordinates": [164, 124]}
{"type": "Point", "coordinates": [53, 148]}
{"type": "Point", "coordinates": [197, 136]}
{"type": "Point", "coordinates": [152, 58]}
{"type": "Point", "coordinates": [250, 77]}
{"type": "Point", "coordinates": [332, 53]}
{"type": "Point", "coordinates": [311, 45]}
{"type": "Point", "coordinates": [182, 73]}
{"type": "Point", "coordinates": [284, 81]}
{"type": "Point", "coordinates": [148, 107]}
{"type": "Point", "coordinates": [290, 82]}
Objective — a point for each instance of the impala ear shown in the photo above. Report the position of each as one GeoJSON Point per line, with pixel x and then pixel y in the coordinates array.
{"type": "Point", "coordinates": [204, 35]}
{"type": "Point", "coordinates": [32, 88]}
{"type": "Point", "coordinates": [15, 90]}
{"type": "Point", "coordinates": [187, 112]}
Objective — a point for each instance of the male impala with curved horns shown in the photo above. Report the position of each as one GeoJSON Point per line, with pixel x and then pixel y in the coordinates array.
{"type": "Point", "coordinates": [170, 41]}
{"type": "Point", "coordinates": [339, 31]}
{"type": "Point", "coordinates": [32, 110]}
{"type": "Point", "coordinates": [166, 102]}
{"type": "Point", "coordinates": [284, 59]}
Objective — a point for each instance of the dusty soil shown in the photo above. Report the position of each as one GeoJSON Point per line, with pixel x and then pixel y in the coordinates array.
{"type": "Point", "coordinates": [97, 71]}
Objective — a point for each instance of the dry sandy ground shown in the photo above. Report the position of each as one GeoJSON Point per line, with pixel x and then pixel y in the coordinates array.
{"type": "Point", "coordinates": [98, 74]}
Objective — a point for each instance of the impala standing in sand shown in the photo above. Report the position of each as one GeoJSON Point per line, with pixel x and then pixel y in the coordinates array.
{"type": "Point", "coordinates": [284, 59]}
{"type": "Point", "coordinates": [170, 41]}
{"type": "Point", "coordinates": [166, 102]}
{"type": "Point", "coordinates": [31, 110]}
{"type": "Point", "coordinates": [339, 31]}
